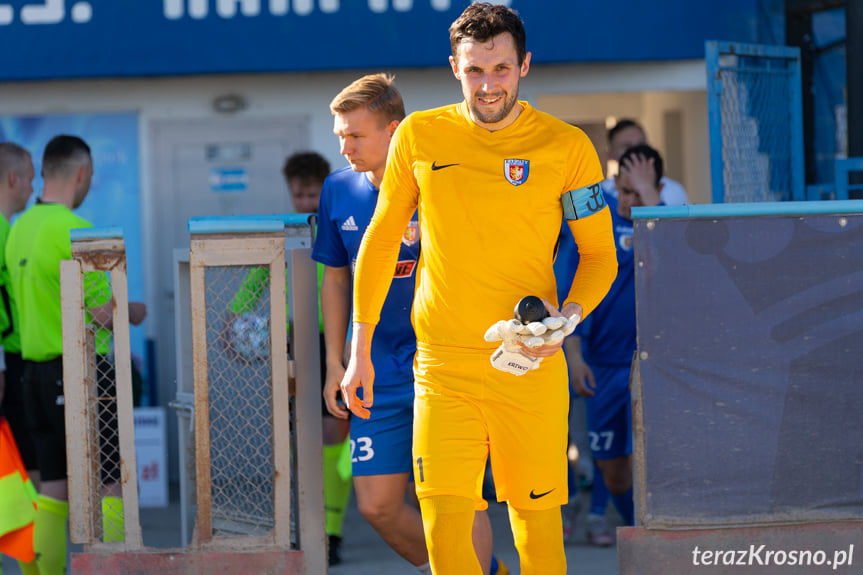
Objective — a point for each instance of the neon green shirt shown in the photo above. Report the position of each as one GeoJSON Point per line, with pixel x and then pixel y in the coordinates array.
{"type": "Point", "coordinates": [254, 284]}
{"type": "Point", "coordinates": [36, 244]}
{"type": "Point", "coordinates": [10, 339]}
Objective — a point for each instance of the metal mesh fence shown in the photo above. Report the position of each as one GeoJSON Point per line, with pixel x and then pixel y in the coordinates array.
{"type": "Point", "coordinates": [240, 399]}
{"type": "Point", "coordinates": [252, 457]}
{"type": "Point", "coordinates": [756, 128]}
{"type": "Point", "coordinates": [103, 410]}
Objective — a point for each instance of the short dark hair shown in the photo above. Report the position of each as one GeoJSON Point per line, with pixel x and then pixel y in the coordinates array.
{"type": "Point", "coordinates": [306, 166]}
{"type": "Point", "coordinates": [12, 158]}
{"type": "Point", "coordinates": [375, 91]}
{"type": "Point", "coordinates": [483, 21]}
{"type": "Point", "coordinates": [64, 154]}
{"type": "Point", "coordinates": [622, 125]}
{"type": "Point", "coordinates": [647, 152]}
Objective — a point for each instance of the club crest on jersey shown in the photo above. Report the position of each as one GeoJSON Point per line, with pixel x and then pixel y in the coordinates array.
{"type": "Point", "coordinates": [516, 171]}
{"type": "Point", "coordinates": [412, 234]}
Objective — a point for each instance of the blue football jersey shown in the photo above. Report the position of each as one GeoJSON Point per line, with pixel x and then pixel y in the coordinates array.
{"type": "Point", "coordinates": [609, 333]}
{"type": "Point", "coordinates": [347, 203]}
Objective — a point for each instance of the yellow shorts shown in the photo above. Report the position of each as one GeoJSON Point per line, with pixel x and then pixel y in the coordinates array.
{"type": "Point", "coordinates": [466, 410]}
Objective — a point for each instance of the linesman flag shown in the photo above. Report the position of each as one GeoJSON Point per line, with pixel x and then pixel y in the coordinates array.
{"type": "Point", "coordinates": [18, 500]}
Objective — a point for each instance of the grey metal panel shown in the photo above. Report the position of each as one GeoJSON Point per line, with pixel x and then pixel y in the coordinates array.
{"type": "Point", "coordinates": [750, 343]}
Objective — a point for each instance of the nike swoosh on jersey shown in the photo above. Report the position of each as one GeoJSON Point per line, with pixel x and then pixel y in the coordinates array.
{"type": "Point", "coordinates": [538, 495]}
{"type": "Point", "coordinates": [435, 167]}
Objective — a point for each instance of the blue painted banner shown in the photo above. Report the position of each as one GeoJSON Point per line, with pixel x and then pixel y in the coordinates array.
{"type": "Point", "coordinates": [42, 39]}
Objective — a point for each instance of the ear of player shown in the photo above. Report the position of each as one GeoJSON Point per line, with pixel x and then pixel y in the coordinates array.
{"type": "Point", "coordinates": [509, 357]}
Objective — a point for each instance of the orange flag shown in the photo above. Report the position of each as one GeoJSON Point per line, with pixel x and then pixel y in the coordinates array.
{"type": "Point", "coordinates": [17, 500]}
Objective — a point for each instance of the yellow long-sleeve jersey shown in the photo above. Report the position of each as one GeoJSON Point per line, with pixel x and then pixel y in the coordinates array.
{"type": "Point", "coordinates": [489, 213]}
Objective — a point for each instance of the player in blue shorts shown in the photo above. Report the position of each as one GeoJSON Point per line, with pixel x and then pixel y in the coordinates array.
{"type": "Point", "coordinates": [599, 353]}
{"type": "Point", "coordinates": [367, 113]}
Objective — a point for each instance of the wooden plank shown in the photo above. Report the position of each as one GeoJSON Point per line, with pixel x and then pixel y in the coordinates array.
{"type": "Point", "coordinates": [305, 344]}
{"type": "Point", "coordinates": [125, 414]}
{"type": "Point", "coordinates": [204, 531]}
{"type": "Point", "coordinates": [75, 393]}
{"type": "Point", "coordinates": [238, 251]}
{"type": "Point", "coordinates": [280, 401]}
{"type": "Point", "coordinates": [111, 245]}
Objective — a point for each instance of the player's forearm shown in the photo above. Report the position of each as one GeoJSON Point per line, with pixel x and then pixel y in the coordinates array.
{"type": "Point", "coordinates": [103, 315]}
{"type": "Point", "coordinates": [572, 346]}
{"type": "Point", "coordinates": [649, 194]}
{"type": "Point", "coordinates": [335, 307]}
{"type": "Point", "coordinates": [361, 342]}
{"type": "Point", "coordinates": [597, 265]}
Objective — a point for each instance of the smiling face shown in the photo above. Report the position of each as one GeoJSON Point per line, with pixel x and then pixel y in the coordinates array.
{"type": "Point", "coordinates": [489, 73]}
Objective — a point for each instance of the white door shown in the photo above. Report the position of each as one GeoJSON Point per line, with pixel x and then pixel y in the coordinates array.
{"type": "Point", "coordinates": [208, 167]}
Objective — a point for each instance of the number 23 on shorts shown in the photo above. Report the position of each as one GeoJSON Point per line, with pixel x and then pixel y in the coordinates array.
{"type": "Point", "coordinates": [361, 449]}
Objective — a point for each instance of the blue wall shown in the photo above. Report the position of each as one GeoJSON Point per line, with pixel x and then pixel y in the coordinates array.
{"type": "Point", "coordinates": [42, 39]}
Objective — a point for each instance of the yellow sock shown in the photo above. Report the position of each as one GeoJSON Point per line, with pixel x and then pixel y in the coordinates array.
{"type": "Point", "coordinates": [49, 536]}
{"type": "Point", "coordinates": [448, 522]}
{"type": "Point", "coordinates": [538, 537]}
{"type": "Point", "coordinates": [113, 520]}
{"type": "Point", "coordinates": [337, 490]}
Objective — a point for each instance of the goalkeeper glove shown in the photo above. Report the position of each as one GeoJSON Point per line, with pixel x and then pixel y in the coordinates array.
{"type": "Point", "coordinates": [509, 357]}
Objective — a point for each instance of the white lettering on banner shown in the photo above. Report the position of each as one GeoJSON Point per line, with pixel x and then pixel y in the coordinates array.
{"type": "Point", "coordinates": [173, 9]}
{"type": "Point", "coordinates": [227, 9]}
{"type": "Point", "coordinates": [198, 8]}
{"type": "Point", "coordinates": [51, 12]}
{"type": "Point", "coordinates": [303, 7]}
{"type": "Point", "coordinates": [48, 12]}
{"type": "Point", "coordinates": [54, 11]}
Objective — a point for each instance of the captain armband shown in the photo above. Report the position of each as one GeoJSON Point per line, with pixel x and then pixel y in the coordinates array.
{"type": "Point", "coordinates": [586, 201]}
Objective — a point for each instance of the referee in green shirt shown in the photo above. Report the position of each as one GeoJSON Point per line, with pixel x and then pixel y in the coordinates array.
{"type": "Point", "coordinates": [16, 187]}
{"type": "Point", "coordinates": [39, 239]}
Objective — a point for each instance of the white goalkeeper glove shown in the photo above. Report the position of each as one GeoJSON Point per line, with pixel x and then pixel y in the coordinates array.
{"type": "Point", "coordinates": [509, 356]}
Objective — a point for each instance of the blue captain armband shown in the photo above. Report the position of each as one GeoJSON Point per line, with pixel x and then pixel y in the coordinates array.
{"type": "Point", "coordinates": [586, 201]}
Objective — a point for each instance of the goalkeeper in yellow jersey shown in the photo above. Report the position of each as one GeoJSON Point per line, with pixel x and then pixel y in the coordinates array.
{"type": "Point", "coordinates": [492, 178]}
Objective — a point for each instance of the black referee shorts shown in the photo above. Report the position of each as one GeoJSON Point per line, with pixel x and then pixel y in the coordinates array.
{"type": "Point", "coordinates": [13, 409]}
{"type": "Point", "coordinates": [44, 403]}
